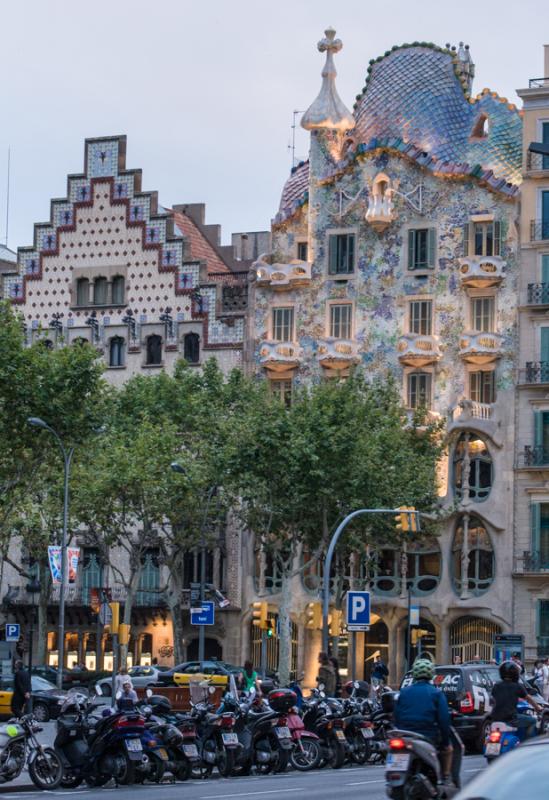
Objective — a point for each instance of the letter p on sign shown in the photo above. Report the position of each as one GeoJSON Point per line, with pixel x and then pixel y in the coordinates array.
{"type": "Point", "coordinates": [358, 608]}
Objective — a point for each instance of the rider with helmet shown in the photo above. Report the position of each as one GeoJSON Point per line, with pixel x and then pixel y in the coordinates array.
{"type": "Point", "coordinates": [422, 708]}
{"type": "Point", "coordinates": [505, 696]}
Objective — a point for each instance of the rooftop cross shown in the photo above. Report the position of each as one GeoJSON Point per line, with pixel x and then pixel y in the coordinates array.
{"type": "Point", "coordinates": [328, 110]}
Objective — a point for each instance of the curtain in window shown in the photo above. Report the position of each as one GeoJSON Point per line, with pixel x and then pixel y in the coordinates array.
{"type": "Point", "coordinates": [191, 348]}
{"type": "Point", "coordinates": [82, 292]}
{"type": "Point", "coordinates": [154, 349]}
{"type": "Point", "coordinates": [116, 352]}
{"type": "Point", "coordinates": [100, 292]}
{"type": "Point", "coordinates": [118, 290]}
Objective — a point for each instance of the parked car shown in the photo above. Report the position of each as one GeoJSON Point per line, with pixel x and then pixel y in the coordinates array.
{"type": "Point", "coordinates": [212, 671]}
{"type": "Point", "coordinates": [71, 677]}
{"type": "Point", "coordinates": [47, 699]}
{"type": "Point", "coordinates": [522, 773]}
{"type": "Point", "coordinates": [141, 677]}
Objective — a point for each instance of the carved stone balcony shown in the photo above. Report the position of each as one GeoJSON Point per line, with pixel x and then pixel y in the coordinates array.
{"type": "Point", "coordinates": [279, 356]}
{"type": "Point", "coordinates": [469, 414]}
{"type": "Point", "coordinates": [417, 350]}
{"type": "Point", "coordinates": [380, 211]}
{"type": "Point", "coordinates": [337, 353]}
{"type": "Point", "coordinates": [479, 272]}
{"type": "Point", "coordinates": [282, 277]}
{"type": "Point", "coordinates": [480, 348]}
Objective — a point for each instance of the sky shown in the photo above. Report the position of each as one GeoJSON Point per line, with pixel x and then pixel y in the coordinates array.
{"type": "Point", "coordinates": [205, 90]}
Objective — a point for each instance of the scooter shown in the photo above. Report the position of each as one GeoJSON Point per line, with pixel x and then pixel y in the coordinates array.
{"type": "Point", "coordinates": [412, 768]}
{"type": "Point", "coordinates": [502, 738]}
{"type": "Point", "coordinates": [321, 717]}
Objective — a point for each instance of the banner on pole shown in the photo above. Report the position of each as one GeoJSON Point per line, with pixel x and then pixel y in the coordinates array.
{"type": "Point", "coordinates": [54, 559]}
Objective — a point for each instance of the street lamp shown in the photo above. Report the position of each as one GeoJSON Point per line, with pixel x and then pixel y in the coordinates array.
{"type": "Point", "coordinates": [213, 489]}
{"type": "Point", "coordinates": [33, 587]}
{"type": "Point", "coordinates": [37, 422]}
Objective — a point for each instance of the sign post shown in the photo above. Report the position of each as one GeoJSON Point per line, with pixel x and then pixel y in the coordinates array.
{"type": "Point", "coordinates": [357, 619]}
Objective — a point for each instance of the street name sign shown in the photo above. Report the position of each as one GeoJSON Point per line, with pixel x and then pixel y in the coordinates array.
{"type": "Point", "coordinates": [204, 615]}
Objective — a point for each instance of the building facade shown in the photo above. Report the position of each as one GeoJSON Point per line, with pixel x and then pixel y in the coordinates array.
{"type": "Point", "coordinates": [395, 251]}
{"type": "Point", "coordinates": [531, 535]}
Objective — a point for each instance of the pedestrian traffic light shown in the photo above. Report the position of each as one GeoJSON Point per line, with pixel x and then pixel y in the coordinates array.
{"type": "Point", "coordinates": [335, 622]}
{"type": "Point", "coordinates": [115, 621]}
{"type": "Point", "coordinates": [314, 616]}
{"type": "Point", "coordinates": [124, 633]}
{"type": "Point", "coordinates": [270, 629]}
{"type": "Point", "coordinates": [407, 520]}
{"type": "Point", "coordinates": [259, 614]}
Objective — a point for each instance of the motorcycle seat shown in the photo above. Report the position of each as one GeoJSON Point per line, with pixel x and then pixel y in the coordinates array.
{"type": "Point", "coordinates": [502, 726]}
{"type": "Point", "coordinates": [409, 734]}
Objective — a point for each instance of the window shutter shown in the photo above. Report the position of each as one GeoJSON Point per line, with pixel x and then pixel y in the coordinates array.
{"type": "Point", "coordinates": [332, 253]}
{"type": "Point", "coordinates": [466, 234]}
{"type": "Point", "coordinates": [545, 268]}
{"type": "Point", "coordinates": [497, 237]}
{"type": "Point", "coordinates": [535, 511]}
{"type": "Point", "coordinates": [351, 253]}
{"type": "Point", "coordinates": [411, 249]}
{"type": "Point", "coordinates": [538, 428]}
{"type": "Point", "coordinates": [431, 246]}
{"type": "Point", "coordinates": [544, 346]}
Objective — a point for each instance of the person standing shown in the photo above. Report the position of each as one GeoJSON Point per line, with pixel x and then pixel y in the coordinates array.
{"type": "Point", "coordinates": [121, 679]}
{"type": "Point", "coordinates": [545, 670]}
{"type": "Point", "coordinates": [250, 678]}
{"type": "Point", "coordinates": [380, 673]}
{"type": "Point", "coordinates": [21, 689]}
{"type": "Point", "coordinates": [326, 674]}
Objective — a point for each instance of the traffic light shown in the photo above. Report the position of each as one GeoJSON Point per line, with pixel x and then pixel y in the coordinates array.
{"type": "Point", "coordinates": [270, 629]}
{"type": "Point", "coordinates": [124, 633]}
{"type": "Point", "coordinates": [407, 520]}
{"type": "Point", "coordinates": [335, 622]}
{"type": "Point", "coordinates": [314, 616]}
{"type": "Point", "coordinates": [115, 622]}
{"type": "Point", "coordinates": [418, 633]}
{"type": "Point", "coordinates": [259, 614]}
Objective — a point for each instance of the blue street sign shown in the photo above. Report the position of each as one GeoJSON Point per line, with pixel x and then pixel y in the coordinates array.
{"type": "Point", "coordinates": [414, 616]}
{"type": "Point", "coordinates": [204, 615]}
{"type": "Point", "coordinates": [13, 632]}
{"type": "Point", "coordinates": [358, 610]}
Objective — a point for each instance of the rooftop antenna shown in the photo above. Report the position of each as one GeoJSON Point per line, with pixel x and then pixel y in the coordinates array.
{"type": "Point", "coordinates": [292, 145]}
{"type": "Point", "coordinates": [8, 198]}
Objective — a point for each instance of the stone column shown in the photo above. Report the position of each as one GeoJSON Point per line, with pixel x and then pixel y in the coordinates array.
{"type": "Point", "coordinates": [465, 558]}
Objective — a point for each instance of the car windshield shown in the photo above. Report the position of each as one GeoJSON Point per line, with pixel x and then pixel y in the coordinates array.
{"type": "Point", "coordinates": [506, 779]}
{"type": "Point", "coordinates": [39, 683]}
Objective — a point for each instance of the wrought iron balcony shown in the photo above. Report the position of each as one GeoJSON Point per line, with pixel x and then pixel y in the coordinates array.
{"type": "Point", "coordinates": [538, 83]}
{"type": "Point", "coordinates": [480, 348]}
{"type": "Point", "coordinates": [536, 162]}
{"type": "Point", "coordinates": [417, 350]}
{"type": "Point", "coordinates": [531, 562]}
{"type": "Point", "coordinates": [479, 272]}
{"type": "Point", "coordinates": [538, 294]}
{"type": "Point", "coordinates": [536, 372]}
{"type": "Point", "coordinates": [279, 356]}
{"type": "Point", "coordinates": [539, 230]}
{"type": "Point", "coordinates": [337, 353]}
{"type": "Point", "coordinates": [282, 276]}
{"type": "Point", "coordinates": [534, 456]}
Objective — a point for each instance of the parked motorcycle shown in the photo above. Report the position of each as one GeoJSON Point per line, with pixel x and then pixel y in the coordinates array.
{"type": "Point", "coordinates": [176, 734]}
{"type": "Point", "coordinates": [217, 740]}
{"type": "Point", "coordinates": [324, 717]}
{"type": "Point", "coordinates": [306, 751]}
{"type": "Point", "coordinates": [413, 768]}
{"type": "Point", "coordinates": [19, 747]}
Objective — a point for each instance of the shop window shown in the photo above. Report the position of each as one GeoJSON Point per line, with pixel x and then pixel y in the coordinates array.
{"type": "Point", "coordinates": [154, 350]}
{"type": "Point", "coordinates": [341, 253]}
{"type": "Point", "coordinates": [117, 349]}
{"type": "Point", "coordinates": [419, 390]}
{"type": "Point", "coordinates": [470, 448]}
{"type": "Point", "coordinates": [476, 555]}
{"type": "Point", "coordinates": [191, 348]}
{"type": "Point", "coordinates": [118, 290]}
{"type": "Point", "coordinates": [421, 248]}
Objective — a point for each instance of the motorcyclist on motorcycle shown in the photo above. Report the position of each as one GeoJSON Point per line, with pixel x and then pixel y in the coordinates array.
{"type": "Point", "coordinates": [422, 708]}
{"type": "Point", "coordinates": [505, 695]}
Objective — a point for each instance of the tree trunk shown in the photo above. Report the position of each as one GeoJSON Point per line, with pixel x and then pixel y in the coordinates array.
{"type": "Point", "coordinates": [177, 623]}
{"type": "Point", "coordinates": [285, 636]}
{"type": "Point", "coordinates": [131, 590]}
{"type": "Point", "coordinates": [44, 576]}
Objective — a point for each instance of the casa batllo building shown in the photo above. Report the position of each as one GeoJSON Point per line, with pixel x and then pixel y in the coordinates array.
{"type": "Point", "coordinates": [395, 251]}
{"type": "Point", "coordinates": [146, 286]}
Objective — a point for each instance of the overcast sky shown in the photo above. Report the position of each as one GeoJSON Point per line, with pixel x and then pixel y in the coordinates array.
{"type": "Point", "coordinates": [205, 90]}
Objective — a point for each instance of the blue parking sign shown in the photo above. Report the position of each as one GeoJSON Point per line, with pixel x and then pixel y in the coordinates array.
{"type": "Point", "coordinates": [13, 632]}
{"type": "Point", "coordinates": [358, 610]}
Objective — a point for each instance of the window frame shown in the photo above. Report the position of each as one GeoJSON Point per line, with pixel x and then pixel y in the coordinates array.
{"type": "Point", "coordinates": [470, 242]}
{"type": "Point", "coordinates": [349, 324]}
{"type": "Point", "coordinates": [121, 342]}
{"type": "Point", "coordinates": [196, 338]}
{"type": "Point", "coordinates": [102, 282]}
{"type": "Point", "coordinates": [149, 363]}
{"type": "Point", "coordinates": [484, 373]}
{"type": "Point", "coordinates": [428, 302]}
{"type": "Point", "coordinates": [282, 389]}
{"type": "Point", "coordinates": [428, 394]}
{"type": "Point", "coordinates": [116, 281]}
{"type": "Point", "coordinates": [482, 298]}
{"type": "Point", "coordinates": [413, 264]}
{"type": "Point", "coordinates": [474, 559]}
{"type": "Point", "coordinates": [331, 235]}
{"type": "Point", "coordinates": [274, 325]}
{"type": "Point", "coordinates": [299, 245]}
{"type": "Point", "coordinates": [476, 492]}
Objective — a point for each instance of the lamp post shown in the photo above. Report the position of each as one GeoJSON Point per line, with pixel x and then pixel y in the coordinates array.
{"type": "Point", "coordinates": [212, 490]}
{"type": "Point", "coordinates": [67, 458]}
{"type": "Point", "coordinates": [33, 587]}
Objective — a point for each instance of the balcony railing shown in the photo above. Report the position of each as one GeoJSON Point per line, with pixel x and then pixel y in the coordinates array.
{"type": "Point", "coordinates": [283, 276]}
{"type": "Point", "coordinates": [536, 162]}
{"type": "Point", "coordinates": [536, 372]}
{"type": "Point", "coordinates": [481, 271]}
{"type": "Point", "coordinates": [531, 562]}
{"type": "Point", "coordinates": [538, 83]}
{"type": "Point", "coordinates": [539, 230]}
{"type": "Point", "coordinates": [417, 350]}
{"type": "Point", "coordinates": [279, 356]}
{"type": "Point", "coordinates": [337, 353]}
{"type": "Point", "coordinates": [534, 456]}
{"type": "Point", "coordinates": [480, 348]}
{"type": "Point", "coordinates": [470, 409]}
{"type": "Point", "coordinates": [538, 294]}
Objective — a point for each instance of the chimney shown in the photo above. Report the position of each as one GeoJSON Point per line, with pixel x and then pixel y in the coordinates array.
{"type": "Point", "coordinates": [546, 52]}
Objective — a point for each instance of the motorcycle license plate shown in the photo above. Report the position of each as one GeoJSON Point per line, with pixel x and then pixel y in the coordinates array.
{"type": "Point", "coordinates": [493, 749]}
{"type": "Point", "coordinates": [229, 738]}
{"type": "Point", "coordinates": [367, 733]}
{"type": "Point", "coordinates": [397, 762]}
{"type": "Point", "coordinates": [162, 753]}
{"type": "Point", "coordinates": [340, 735]}
{"type": "Point", "coordinates": [134, 745]}
{"type": "Point", "coordinates": [190, 750]}
{"type": "Point", "coordinates": [283, 733]}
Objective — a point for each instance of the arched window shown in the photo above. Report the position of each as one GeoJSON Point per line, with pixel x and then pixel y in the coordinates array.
{"type": "Point", "coordinates": [117, 353]}
{"type": "Point", "coordinates": [191, 348]}
{"type": "Point", "coordinates": [82, 292]}
{"type": "Point", "coordinates": [473, 469]}
{"type": "Point", "coordinates": [100, 292]}
{"type": "Point", "coordinates": [118, 290]}
{"type": "Point", "coordinates": [80, 341]}
{"type": "Point", "coordinates": [423, 566]}
{"type": "Point", "coordinates": [154, 349]}
{"type": "Point", "coordinates": [472, 557]}
{"type": "Point", "coordinates": [472, 637]}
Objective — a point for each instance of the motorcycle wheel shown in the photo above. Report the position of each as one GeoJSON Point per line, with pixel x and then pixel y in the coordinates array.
{"type": "Point", "coordinates": [127, 775]}
{"type": "Point", "coordinates": [337, 755]}
{"type": "Point", "coordinates": [46, 769]}
{"type": "Point", "coordinates": [157, 770]}
{"type": "Point", "coordinates": [306, 757]}
{"type": "Point", "coordinates": [71, 780]}
{"type": "Point", "coordinates": [183, 770]}
{"type": "Point", "coordinates": [226, 762]}
{"type": "Point", "coordinates": [282, 761]}
{"type": "Point", "coordinates": [360, 750]}
{"type": "Point", "coordinates": [200, 771]}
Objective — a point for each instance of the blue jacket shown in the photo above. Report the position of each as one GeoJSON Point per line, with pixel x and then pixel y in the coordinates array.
{"type": "Point", "coordinates": [422, 708]}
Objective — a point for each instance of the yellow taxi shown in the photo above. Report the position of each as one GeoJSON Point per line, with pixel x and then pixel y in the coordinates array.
{"type": "Point", "coordinates": [213, 672]}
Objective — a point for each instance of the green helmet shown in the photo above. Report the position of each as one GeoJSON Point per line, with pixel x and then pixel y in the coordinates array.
{"type": "Point", "coordinates": [423, 670]}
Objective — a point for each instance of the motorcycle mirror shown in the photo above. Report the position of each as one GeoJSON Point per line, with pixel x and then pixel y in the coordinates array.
{"type": "Point", "coordinates": [356, 684]}
{"type": "Point", "coordinates": [211, 689]}
{"type": "Point", "coordinates": [149, 693]}
{"type": "Point", "coordinates": [98, 690]}
{"type": "Point", "coordinates": [118, 695]}
{"type": "Point", "coordinates": [321, 687]}
{"type": "Point", "coordinates": [323, 694]}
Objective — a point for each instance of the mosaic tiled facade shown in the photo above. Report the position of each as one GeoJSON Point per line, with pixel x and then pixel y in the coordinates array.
{"type": "Point", "coordinates": [395, 251]}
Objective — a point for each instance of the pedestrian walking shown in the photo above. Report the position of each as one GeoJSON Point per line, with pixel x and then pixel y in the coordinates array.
{"type": "Point", "coordinates": [538, 675]}
{"type": "Point", "coordinates": [21, 689]}
{"type": "Point", "coordinates": [326, 674]}
{"type": "Point", "coordinates": [380, 673]}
